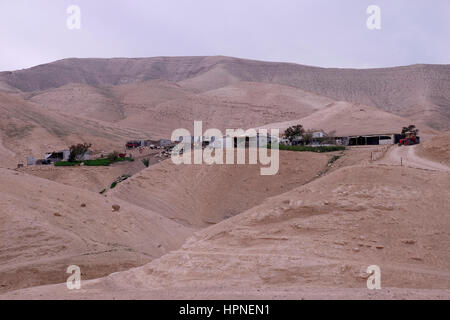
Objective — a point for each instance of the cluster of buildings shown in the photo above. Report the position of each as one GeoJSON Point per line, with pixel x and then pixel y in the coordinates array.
{"type": "Point", "coordinates": [321, 138]}
{"type": "Point", "coordinates": [317, 138]}
{"type": "Point", "coordinates": [133, 144]}
{"type": "Point", "coordinates": [53, 157]}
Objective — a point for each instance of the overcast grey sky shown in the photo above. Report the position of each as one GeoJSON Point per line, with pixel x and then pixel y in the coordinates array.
{"type": "Point", "coordinates": [314, 32]}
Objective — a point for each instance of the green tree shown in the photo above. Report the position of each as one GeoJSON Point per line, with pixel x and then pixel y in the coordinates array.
{"type": "Point", "coordinates": [411, 128]}
{"type": "Point", "coordinates": [77, 151]}
{"type": "Point", "coordinates": [294, 132]}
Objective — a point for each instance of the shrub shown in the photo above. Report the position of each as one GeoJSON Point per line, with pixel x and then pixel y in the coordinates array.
{"type": "Point", "coordinates": [113, 156]}
{"type": "Point", "coordinates": [113, 185]}
{"type": "Point", "coordinates": [125, 159]}
{"type": "Point", "coordinates": [146, 162]}
{"type": "Point", "coordinates": [334, 159]}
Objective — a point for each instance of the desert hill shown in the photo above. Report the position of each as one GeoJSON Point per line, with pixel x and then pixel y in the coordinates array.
{"type": "Point", "coordinates": [346, 119]}
{"type": "Point", "coordinates": [418, 92]}
{"type": "Point", "coordinates": [47, 226]}
{"type": "Point", "coordinates": [318, 223]}
{"type": "Point", "coordinates": [39, 122]}
{"type": "Point", "coordinates": [29, 129]}
{"type": "Point", "coordinates": [319, 237]}
{"type": "Point", "coordinates": [201, 195]}
{"type": "Point", "coordinates": [109, 101]}
{"type": "Point", "coordinates": [243, 105]}
{"type": "Point", "coordinates": [81, 100]}
{"type": "Point", "coordinates": [159, 107]}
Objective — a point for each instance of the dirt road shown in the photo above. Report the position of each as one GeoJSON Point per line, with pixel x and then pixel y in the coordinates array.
{"type": "Point", "coordinates": [407, 156]}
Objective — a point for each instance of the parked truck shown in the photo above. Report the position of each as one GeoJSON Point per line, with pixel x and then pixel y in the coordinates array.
{"type": "Point", "coordinates": [409, 140]}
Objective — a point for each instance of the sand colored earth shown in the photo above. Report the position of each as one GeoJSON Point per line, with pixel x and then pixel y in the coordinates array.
{"type": "Point", "coordinates": [408, 157]}
{"type": "Point", "coordinates": [57, 118]}
{"type": "Point", "coordinates": [94, 179]}
{"type": "Point", "coordinates": [28, 129]}
{"type": "Point", "coordinates": [437, 149]}
{"type": "Point", "coordinates": [241, 105]}
{"type": "Point", "coordinates": [201, 195]}
{"type": "Point", "coordinates": [199, 231]}
{"type": "Point", "coordinates": [108, 101]}
{"type": "Point", "coordinates": [318, 236]}
{"type": "Point", "coordinates": [418, 92]}
{"type": "Point", "coordinates": [47, 226]}
{"type": "Point", "coordinates": [347, 119]}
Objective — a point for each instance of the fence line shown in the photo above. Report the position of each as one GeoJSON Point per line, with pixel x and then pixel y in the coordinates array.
{"type": "Point", "coordinates": [379, 153]}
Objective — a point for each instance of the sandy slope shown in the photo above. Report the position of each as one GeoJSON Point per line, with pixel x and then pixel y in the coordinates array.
{"type": "Point", "coordinates": [156, 108]}
{"type": "Point", "coordinates": [419, 92]}
{"type": "Point", "coordinates": [8, 157]}
{"type": "Point", "coordinates": [159, 107]}
{"type": "Point", "coordinates": [344, 119]}
{"type": "Point", "coordinates": [28, 129]}
{"type": "Point", "coordinates": [283, 98]}
{"type": "Point", "coordinates": [224, 111]}
{"type": "Point", "coordinates": [408, 156]}
{"type": "Point", "coordinates": [80, 100]}
{"type": "Point", "coordinates": [36, 246]}
{"type": "Point", "coordinates": [94, 179]}
{"type": "Point", "coordinates": [108, 116]}
{"type": "Point", "coordinates": [201, 195]}
{"type": "Point", "coordinates": [318, 236]}
{"type": "Point", "coordinates": [315, 241]}
{"type": "Point", "coordinates": [108, 101]}
{"type": "Point", "coordinates": [160, 207]}
{"type": "Point", "coordinates": [437, 149]}
{"type": "Point", "coordinates": [285, 236]}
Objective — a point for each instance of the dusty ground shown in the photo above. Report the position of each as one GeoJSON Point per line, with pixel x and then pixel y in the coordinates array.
{"type": "Point", "coordinates": [347, 119]}
{"type": "Point", "coordinates": [223, 231]}
{"type": "Point", "coordinates": [301, 243]}
{"type": "Point", "coordinates": [201, 195]}
{"type": "Point", "coordinates": [409, 157]}
{"type": "Point", "coordinates": [438, 149]}
{"type": "Point", "coordinates": [47, 225]}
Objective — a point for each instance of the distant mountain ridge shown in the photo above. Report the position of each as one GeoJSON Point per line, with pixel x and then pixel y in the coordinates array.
{"type": "Point", "coordinates": [418, 92]}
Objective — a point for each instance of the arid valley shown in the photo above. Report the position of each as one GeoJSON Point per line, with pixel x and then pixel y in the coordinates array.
{"type": "Point", "coordinates": [223, 231]}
